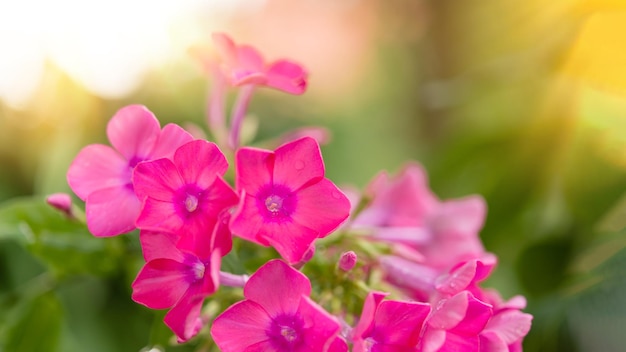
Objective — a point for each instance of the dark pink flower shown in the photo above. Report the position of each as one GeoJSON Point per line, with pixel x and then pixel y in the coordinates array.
{"type": "Point", "coordinates": [185, 195]}
{"type": "Point", "coordinates": [389, 326]}
{"type": "Point", "coordinates": [277, 315]}
{"type": "Point", "coordinates": [455, 324]}
{"type": "Point", "coordinates": [101, 175]}
{"type": "Point", "coordinates": [177, 278]}
{"type": "Point", "coordinates": [243, 64]}
{"type": "Point", "coordinates": [286, 201]}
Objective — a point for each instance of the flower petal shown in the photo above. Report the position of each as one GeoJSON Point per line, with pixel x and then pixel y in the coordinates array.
{"type": "Point", "coordinates": [400, 323]}
{"type": "Point", "coordinates": [157, 179]}
{"type": "Point", "coordinates": [287, 76]}
{"type": "Point", "coordinates": [112, 211]}
{"type": "Point", "coordinates": [133, 131]}
{"type": "Point", "coordinates": [321, 328]}
{"type": "Point", "coordinates": [246, 222]}
{"type": "Point", "coordinates": [290, 239]}
{"type": "Point", "coordinates": [286, 284]}
{"type": "Point", "coordinates": [298, 163]}
{"type": "Point", "coordinates": [161, 283]}
{"type": "Point", "coordinates": [322, 207]}
{"type": "Point", "coordinates": [97, 167]}
{"type": "Point", "coordinates": [200, 162]}
{"type": "Point", "coordinates": [184, 317]}
{"type": "Point", "coordinates": [372, 301]}
{"type": "Point", "coordinates": [225, 47]}
{"type": "Point", "coordinates": [160, 245]}
{"type": "Point", "coordinates": [240, 327]}
{"type": "Point", "coordinates": [254, 168]}
{"type": "Point", "coordinates": [171, 138]}
{"type": "Point", "coordinates": [159, 216]}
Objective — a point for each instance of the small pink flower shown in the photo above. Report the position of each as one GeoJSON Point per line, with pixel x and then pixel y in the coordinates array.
{"type": "Point", "coordinates": [455, 324]}
{"type": "Point", "coordinates": [101, 175]}
{"type": "Point", "coordinates": [243, 64]}
{"type": "Point", "coordinates": [177, 278]}
{"type": "Point", "coordinates": [389, 325]}
{"type": "Point", "coordinates": [277, 315]}
{"type": "Point", "coordinates": [186, 195]}
{"type": "Point", "coordinates": [286, 201]}
{"type": "Point", "coordinates": [347, 261]}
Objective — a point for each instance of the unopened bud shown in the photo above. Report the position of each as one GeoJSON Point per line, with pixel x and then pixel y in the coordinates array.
{"type": "Point", "coordinates": [62, 202]}
{"type": "Point", "coordinates": [347, 261]}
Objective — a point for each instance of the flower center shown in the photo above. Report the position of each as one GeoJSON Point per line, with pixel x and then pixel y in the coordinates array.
{"type": "Point", "coordinates": [274, 203]}
{"type": "Point", "coordinates": [191, 203]}
{"type": "Point", "coordinates": [285, 332]}
{"type": "Point", "coordinates": [198, 270]}
{"type": "Point", "coordinates": [288, 333]}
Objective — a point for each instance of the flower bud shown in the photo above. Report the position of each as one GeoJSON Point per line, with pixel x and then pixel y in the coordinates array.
{"type": "Point", "coordinates": [62, 202]}
{"type": "Point", "coordinates": [347, 261]}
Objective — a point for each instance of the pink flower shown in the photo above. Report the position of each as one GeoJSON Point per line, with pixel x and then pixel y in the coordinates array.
{"type": "Point", "coordinates": [277, 315]}
{"type": "Point", "coordinates": [508, 326]}
{"type": "Point", "coordinates": [389, 325]}
{"type": "Point", "coordinates": [403, 210]}
{"type": "Point", "coordinates": [177, 278]}
{"type": "Point", "coordinates": [243, 64]}
{"type": "Point", "coordinates": [185, 195]}
{"type": "Point", "coordinates": [455, 324]}
{"type": "Point", "coordinates": [61, 202]}
{"type": "Point", "coordinates": [101, 175]}
{"type": "Point", "coordinates": [285, 200]}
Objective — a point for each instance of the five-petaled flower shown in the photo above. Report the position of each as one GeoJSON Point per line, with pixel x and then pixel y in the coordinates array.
{"type": "Point", "coordinates": [286, 201]}
{"type": "Point", "coordinates": [186, 195]}
{"type": "Point", "coordinates": [101, 175]}
{"type": "Point", "coordinates": [285, 320]}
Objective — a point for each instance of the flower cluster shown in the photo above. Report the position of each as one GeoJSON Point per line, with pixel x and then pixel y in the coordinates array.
{"type": "Point", "coordinates": [178, 192]}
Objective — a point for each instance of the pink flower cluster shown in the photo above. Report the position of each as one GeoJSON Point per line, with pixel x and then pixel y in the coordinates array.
{"type": "Point", "coordinates": [177, 191]}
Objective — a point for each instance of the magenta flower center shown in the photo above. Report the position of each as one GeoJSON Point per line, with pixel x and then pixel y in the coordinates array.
{"type": "Point", "coordinates": [285, 332]}
{"type": "Point", "coordinates": [276, 202]}
{"type": "Point", "coordinates": [188, 200]}
{"type": "Point", "coordinates": [198, 270]}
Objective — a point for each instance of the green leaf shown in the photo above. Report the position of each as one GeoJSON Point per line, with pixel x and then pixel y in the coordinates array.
{"type": "Point", "coordinates": [38, 328]}
{"type": "Point", "coordinates": [64, 244]}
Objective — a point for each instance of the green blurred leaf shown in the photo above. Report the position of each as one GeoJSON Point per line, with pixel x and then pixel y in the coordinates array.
{"type": "Point", "coordinates": [38, 328]}
{"type": "Point", "coordinates": [62, 243]}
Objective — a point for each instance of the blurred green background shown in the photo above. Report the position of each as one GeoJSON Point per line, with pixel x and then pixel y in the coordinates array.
{"type": "Point", "coordinates": [522, 102]}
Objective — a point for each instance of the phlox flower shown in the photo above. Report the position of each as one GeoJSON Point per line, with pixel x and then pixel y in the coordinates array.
{"type": "Point", "coordinates": [185, 195]}
{"type": "Point", "coordinates": [389, 326]}
{"type": "Point", "coordinates": [178, 278]}
{"type": "Point", "coordinates": [403, 210]}
{"type": "Point", "coordinates": [455, 324]}
{"type": "Point", "coordinates": [286, 201]}
{"type": "Point", "coordinates": [101, 175]}
{"type": "Point", "coordinates": [277, 315]}
{"type": "Point", "coordinates": [243, 64]}
{"type": "Point", "coordinates": [507, 328]}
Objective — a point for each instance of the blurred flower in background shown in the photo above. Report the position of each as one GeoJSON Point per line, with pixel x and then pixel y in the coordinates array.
{"type": "Point", "coordinates": [522, 102]}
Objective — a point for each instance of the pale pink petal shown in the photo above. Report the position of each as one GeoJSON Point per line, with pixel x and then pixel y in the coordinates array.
{"type": "Point", "coordinates": [112, 211]}
{"type": "Point", "coordinates": [287, 76]}
{"type": "Point", "coordinates": [372, 301]}
{"type": "Point", "coordinates": [241, 327]}
{"type": "Point", "coordinates": [461, 218]}
{"type": "Point", "coordinates": [410, 236]}
{"type": "Point", "coordinates": [491, 342]}
{"type": "Point", "coordinates": [416, 278]}
{"type": "Point", "coordinates": [320, 328]}
{"type": "Point", "coordinates": [157, 179]}
{"type": "Point", "coordinates": [200, 162]}
{"type": "Point", "coordinates": [242, 77]}
{"type": "Point", "coordinates": [449, 313]}
{"type": "Point", "coordinates": [290, 239]}
{"type": "Point", "coordinates": [287, 285]}
{"type": "Point", "coordinates": [510, 325]}
{"type": "Point", "coordinates": [161, 283]}
{"type": "Point", "coordinates": [298, 163]}
{"type": "Point", "coordinates": [133, 131]}
{"type": "Point", "coordinates": [250, 59]}
{"type": "Point", "coordinates": [432, 340]}
{"type": "Point", "coordinates": [160, 245]}
{"type": "Point", "coordinates": [225, 47]}
{"type": "Point", "coordinates": [159, 216]}
{"type": "Point", "coordinates": [97, 167]}
{"type": "Point", "coordinates": [246, 222]}
{"type": "Point", "coordinates": [184, 318]}
{"type": "Point", "coordinates": [254, 169]}
{"type": "Point", "coordinates": [171, 138]}
{"type": "Point", "coordinates": [321, 206]}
